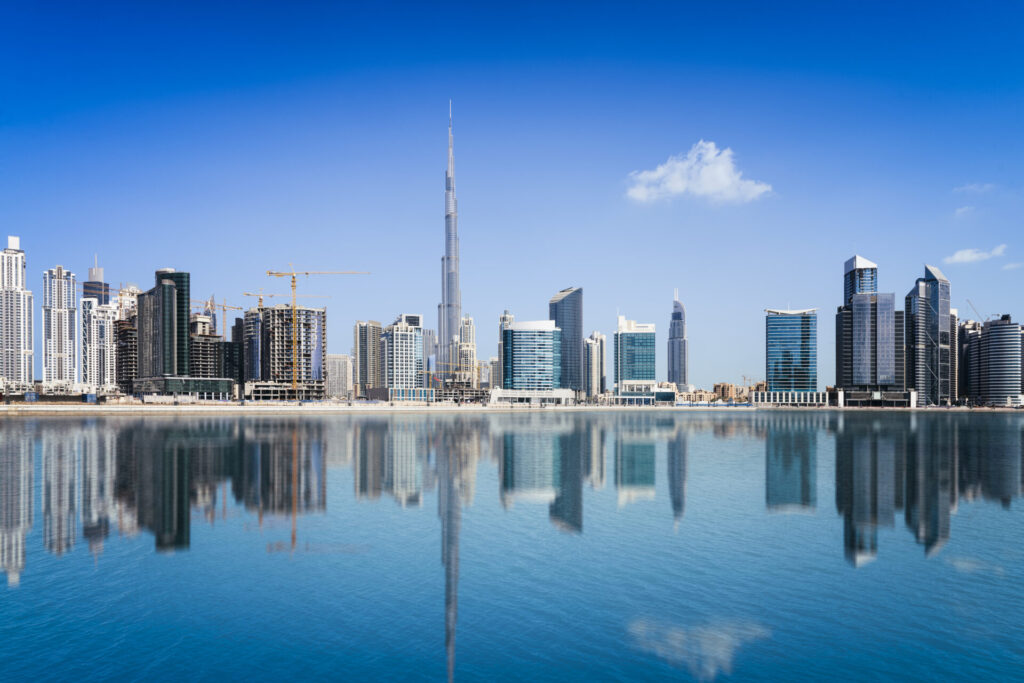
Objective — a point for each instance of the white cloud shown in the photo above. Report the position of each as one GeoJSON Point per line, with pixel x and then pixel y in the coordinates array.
{"type": "Point", "coordinates": [705, 650]}
{"type": "Point", "coordinates": [705, 171]}
{"type": "Point", "coordinates": [977, 188]}
{"type": "Point", "coordinates": [963, 211]}
{"type": "Point", "coordinates": [974, 255]}
{"type": "Point", "coordinates": [1012, 266]}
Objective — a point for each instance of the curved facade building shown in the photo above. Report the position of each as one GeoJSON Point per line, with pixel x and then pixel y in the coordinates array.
{"type": "Point", "coordinates": [678, 358]}
{"type": "Point", "coordinates": [1001, 362]}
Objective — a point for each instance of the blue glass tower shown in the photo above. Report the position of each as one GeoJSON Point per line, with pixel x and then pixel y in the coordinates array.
{"type": "Point", "coordinates": [791, 350]}
{"type": "Point", "coordinates": [532, 355]}
{"type": "Point", "coordinates": [634, 352]}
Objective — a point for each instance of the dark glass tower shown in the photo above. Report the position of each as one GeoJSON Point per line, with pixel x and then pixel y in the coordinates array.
{"type": "Point", "coordinates": [869, 333]}
{"type": "Point", "coordinates": [566, 309]}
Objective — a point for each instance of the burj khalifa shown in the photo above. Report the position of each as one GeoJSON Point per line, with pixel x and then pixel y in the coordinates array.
{"type": "Point", "coordinates": [449, 312]}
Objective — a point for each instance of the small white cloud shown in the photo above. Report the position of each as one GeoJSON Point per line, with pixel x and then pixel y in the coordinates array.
{"type": "Point", "coordinates": [705, 650]}
{"type": "Point", "coordinates": [1012, 266]}
{"type": "Point", "coordinates": [963, 211]}
{"type": "Point", "coordinates": [976, 188]}
{"type": "Point", "coordinates": [705, 171]}
{"type": "Point", "coordinates": [975, 255]}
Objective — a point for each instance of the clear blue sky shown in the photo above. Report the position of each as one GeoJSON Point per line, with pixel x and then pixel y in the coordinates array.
{"type": "Point", "coordinates": [229, 138]}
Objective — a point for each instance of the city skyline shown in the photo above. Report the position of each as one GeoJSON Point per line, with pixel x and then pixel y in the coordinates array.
{"type": "Point", "coordinates": [317, 159]}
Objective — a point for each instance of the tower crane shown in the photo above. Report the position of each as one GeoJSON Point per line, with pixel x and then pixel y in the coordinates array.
{"type": "Point", "coordinates": [293, 274]}
{"type": "Point", "coordinates": [260, 296]}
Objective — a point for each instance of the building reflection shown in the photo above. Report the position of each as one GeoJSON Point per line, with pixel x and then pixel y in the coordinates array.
{"type": "Point", "coordinates": [677, 474]}
{"type": "Point", "coordinates": [634, 465]}
{"type": "Point", "coordinates": [16, 475]}
{"type": "Point", "coordinates": [791, 456]}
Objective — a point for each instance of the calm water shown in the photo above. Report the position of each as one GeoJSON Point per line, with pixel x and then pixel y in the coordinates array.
{"type": "Point", "coordinates": [534, 546]}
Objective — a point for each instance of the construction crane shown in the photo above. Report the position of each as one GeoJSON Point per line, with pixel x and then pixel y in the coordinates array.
{"type": "Point", "coordinates": [260, 296]}
{"type": "Point", "coordinates": [224, 307]}
{"type": "Point", "coordinates": [293, 274]}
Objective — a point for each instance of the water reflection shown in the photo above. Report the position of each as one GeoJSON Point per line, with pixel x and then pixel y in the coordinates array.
{"type": "Point", "coordinates": [98, 478]}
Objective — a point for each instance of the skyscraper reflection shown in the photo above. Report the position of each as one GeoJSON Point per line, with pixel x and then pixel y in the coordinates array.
{"type": "Point", "coordinates": [865, 491]}
{"type": "Point", "coordinates": [60, 488]}
{"type": "Point", "coordinates": [16, 474]}
{"type": "Point", "coordinates": [791, 456]}
{"type": "Point", "coordinates": [677, 473]}
{"type": "Point", "coordinates": [634, 466]}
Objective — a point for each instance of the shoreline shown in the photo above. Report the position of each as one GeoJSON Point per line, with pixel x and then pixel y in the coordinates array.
{"type": "Point", "coordinates": [70, 409]}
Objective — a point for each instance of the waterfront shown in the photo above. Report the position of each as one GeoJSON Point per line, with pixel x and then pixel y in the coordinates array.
{"type": "Point", "coordinates": [541, 545]}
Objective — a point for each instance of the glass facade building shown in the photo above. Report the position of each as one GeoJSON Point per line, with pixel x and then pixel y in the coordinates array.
{"type": "Point", "coordinates": [678, 357]}
{"type": "Point", "coordinates": [634, 352]}
{"type": "Point", "coordinates": [930, 339]}
{"type": "Point", "coordinates": [791, 350]}
{"type": "Point", "coordinates": [860, 276]}
{"type": "Point", "coordinates": [532, 355]}
{"type": "Point", "coordinates": [566, 310]}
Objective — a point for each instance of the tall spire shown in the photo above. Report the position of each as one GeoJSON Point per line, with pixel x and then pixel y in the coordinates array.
{"type": "Point", "coordinates": [449, 313]}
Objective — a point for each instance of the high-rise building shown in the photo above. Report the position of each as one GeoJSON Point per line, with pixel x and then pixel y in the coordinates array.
{"type": "Point", "coordinates": [339, 375]}
{"type": "Point", "coordinates": [466, 353]}
{"type": "Point", "coordinates": [504, 322]}
{"type": "Point", "coordinates": [993, 356]}
{"type": "Point", "coordinates": [204, 354]}
{"type": "Point", "coordinates": [929, 340]}
{"type": "Point", "coordinates": [60, 329]}
{"type": "Point", "coordinates": [634, 352]}
{"type": "Point", "coordinates": [16, 316]}
{"type": "Point", "coordinates": [402, 350]}
{"type": "Point", "coordinates": [566, 310]}
{"type": "Point", "coordinates": [533, 355]}
{"type": "Point", "coordinates": [281, 363]}
{"type": "Point", "coordinates": [954, 356]}
{"type": "Point", "coordinates": [449, 312]}
{"type": "Point", "coordinates": [678, 354]}
{"type": "Point", "coordinates": [99, 345]}
{"type": "Point", "coordinates": [366, 357]}
{"type": "Point", "coordinates": [593, 364]}
{"type": "Point", "coordinates": [969, 360]}
{"type": "Point", "coordinates": [127, 358]}
{"type": "Point", "coordinates": [791, 350]}
{"type": "Point", "coordinates": [159, 338]}
{"type": "Point", "coordinates": [95, 287]}
{"type": "Point", "coordinates": [252, 335]}
{"type": "Point", "coordinates": [869, 333]}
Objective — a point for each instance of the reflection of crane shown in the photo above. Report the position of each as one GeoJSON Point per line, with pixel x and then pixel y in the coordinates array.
{"type": "Point", "coordinates": [260, 296]}
{"type": "Point", "coordinates": [295, 316]}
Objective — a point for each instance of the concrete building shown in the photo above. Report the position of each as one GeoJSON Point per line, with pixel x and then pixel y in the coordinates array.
{"type": "Point", "coordinates": [204, 355]}
{"type": "Point", "coordinates": [565, 309]}
{"type": "Point", "coordinates": [339, 376]}
{"type": "Point", "coordinates": [634, 352]}
{"type": "Point", "coordinates": [533, 355]}
{"type": "Point", "coordinates": [17, 362]}
{"type": "Point", "coordinates": [402, 351]}
{"type": "Point", "coordinates": [504, 322]}
{"type": "Point", "coordinates": [929, 339]}
{"type": "Point", "coordinates": [594, 364]}
{"type": "Point", "coordinates": [678, 353]}
{"type": "Point", "coordinates": [791, 350]}
{"type": "Point", "coordinates": [366, 357]}
{"type": "Point", "coordinates": [60, 330]}
{"type": "Point", "coordinates": [99, 346]}
{"type": "Point", "coordinates": [288, 373]}
{"type": "Point", "coordinates": [127, 354]}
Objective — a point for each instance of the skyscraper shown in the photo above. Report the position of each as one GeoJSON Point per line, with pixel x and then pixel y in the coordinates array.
{"type": "Point", "coordinates": [95, 287]}
{"type": "Point", "coordinates": [532, 355]}
{"type": "Point", "coordinates": [791, 350]}
{"type": "Point", "coordinates": [994, 361]}
{"type": "Point", "coordinates": [16, 316]}
{"type": "Point", "coordinates": [366, 357]}
{"type": "Point", "coordinates": [465, 355]}
{"type": "Point", "coordinates": [449, 313]}
{"type": "Point", "coordinates": [566, 309]}
{"type": "Point", "coordinates": [593, 364]}
{"type": "Point", "coordinates": [60, 329]}
{"type": "Point", "coordinates": [504, 322]}
{"type": "Point", "coordinates": [158, 328]}
{"type": "Point", "coordinates": [99, 345]}
{"type": "Point", "coordinates": [869, 333]}
{"type": "Point", "coordinates": [402, 350]}
{"type": "Point", "coordinates": [678, 357]}
{"type": "Point", "coordinates": [928, 339]}
{"type": "Point", "coordinates": [634, 352]}
{"type": "Point", "coordinates": [339, 375]}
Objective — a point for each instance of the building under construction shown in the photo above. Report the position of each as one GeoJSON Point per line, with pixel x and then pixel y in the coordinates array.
{"type": "Point", "coordinates": [287, 373]}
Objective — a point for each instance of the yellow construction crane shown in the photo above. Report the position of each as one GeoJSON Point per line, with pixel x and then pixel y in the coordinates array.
{"type": "Point", "coordinates": [260, 296]}
{"type": "Point", "coordinates": [224, 308]}
{"type": "Point", "coordinates": [293, 274]}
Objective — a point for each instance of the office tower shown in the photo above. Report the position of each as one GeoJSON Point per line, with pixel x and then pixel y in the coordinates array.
{"type": "Point", "coordinates": [402, 350]}
{"type": "Point", "coordinates": [16, 509]}
{"type": "Point", "coordinates": [504, 321]}
{"type": "Point", "coordinates": [954, 356]}
{"type": "Point", "coordinates": [791, 350]}
{"type": "Point", "coordinates": [127, 354]}
{"type": "Point", "coordinates": [366, 365]}
{"type": "Point", "coordinates": [60, 333]}
{"type": "Point", "coordinates": [993, 357]}
{"type": "Point", "coordinates": [339, 375]}
{"type": "Point", "coordinates": [634, 352]}
{"type": "Point", "coordinates": [95, 287]}
{"type": "Point", "coordinates": [928, 339]}
{"type": "Point", "coordinates": [678, 355]}
{"type": "Point", "coordinates": [495, 374]}
{"type": "Point", "coordinates": [281, 363]}
{"type": "Point", "coordinates": [533, 355]}
{"type": "Point", "coordinates": [159, 341]}
{"type": "Point", "coordinates": [593, 364]}
{"type": "Point", "coordinates": [16, 316]}
{"type": "Point", "coordinates": [449, 312]}
{"type": "Point", "coordinates": [869, 333]}
{"type": "Point", "coordinates": [99, 345]}
{"type": "Point", "coordinates": [566, 310]}
{"type": "Point", "coordinates": [968, 354]}
{"type": "Point", "coordinates": [466, 352]}
{"type": "Point", "coordinates": [252, 323]}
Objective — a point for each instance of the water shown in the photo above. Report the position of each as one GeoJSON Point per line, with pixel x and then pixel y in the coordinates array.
{"type": "Point", "coordinates": [532, 546]}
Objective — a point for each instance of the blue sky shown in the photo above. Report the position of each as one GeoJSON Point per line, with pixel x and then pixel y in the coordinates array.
{"type": "Point", "coordinates": [229, 138]}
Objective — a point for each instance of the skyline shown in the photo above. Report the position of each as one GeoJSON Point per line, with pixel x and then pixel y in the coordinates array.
{"type": "Point", "coordinates": [213, 171]}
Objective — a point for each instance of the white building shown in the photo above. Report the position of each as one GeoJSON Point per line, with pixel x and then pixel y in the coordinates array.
{"type": "Point", "coordinates": [339, 375]}
{"type": "Point", "coordinates": [593, 364]}
{"type": "Point", "coordinates": [466, 357]}
{"type": "Point", "coordinates": [16, 317]}
{"type": "Point", "coordinates": [60, 330]}
{"type": "Point", "coordinates": [99, 346]}
{"type": "Point", "coordinates": [402, 352]}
